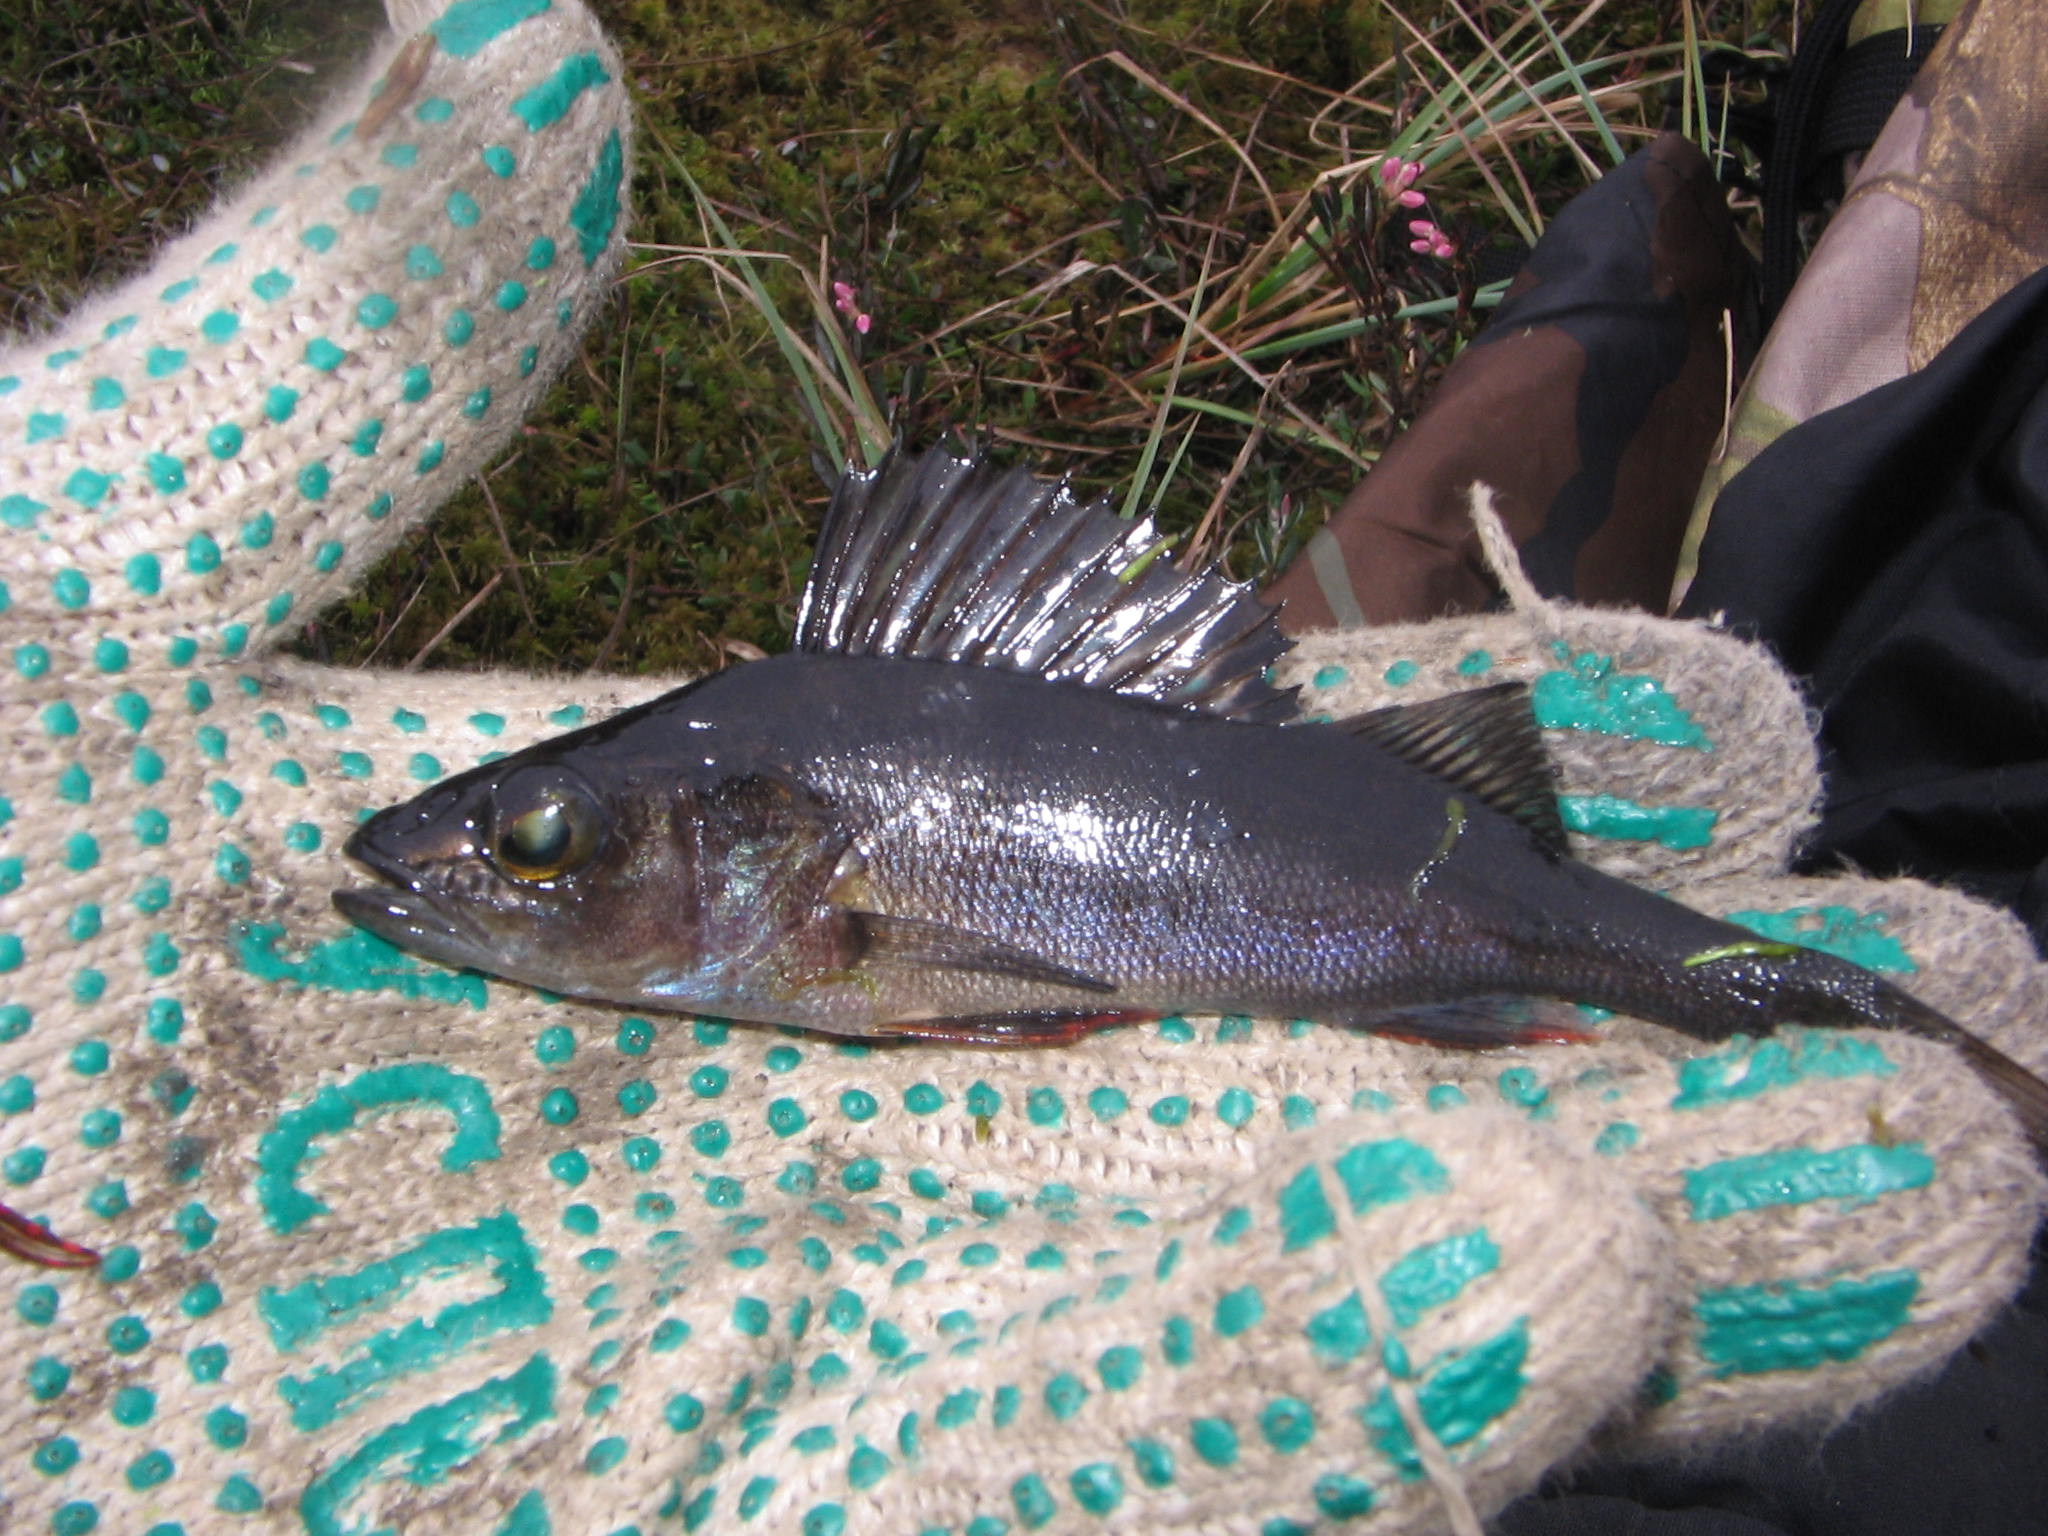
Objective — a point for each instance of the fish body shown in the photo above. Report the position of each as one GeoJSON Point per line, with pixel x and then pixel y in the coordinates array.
{"type": "Point", "coordinates": [955, 827]}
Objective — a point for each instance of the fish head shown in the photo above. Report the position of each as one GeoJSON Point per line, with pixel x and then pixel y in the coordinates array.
{"type": "Point", "coordinates": [532, 869]}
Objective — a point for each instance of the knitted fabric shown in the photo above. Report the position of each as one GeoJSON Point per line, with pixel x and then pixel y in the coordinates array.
{"type": "Point", "coordinates": [392, 1248]}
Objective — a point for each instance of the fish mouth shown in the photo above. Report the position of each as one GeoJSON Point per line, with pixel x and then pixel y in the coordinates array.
{"type": "Point", "coordinates": [404, 913]}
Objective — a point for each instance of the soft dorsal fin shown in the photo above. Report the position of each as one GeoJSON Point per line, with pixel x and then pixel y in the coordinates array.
{"type": "Point", "coordinates": [1484, 741]}
{"type": "Point", "coordinates": [950, 559]}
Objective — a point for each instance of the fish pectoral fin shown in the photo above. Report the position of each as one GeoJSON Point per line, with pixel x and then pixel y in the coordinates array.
{"type": "Point", "coordinates": [1051, 1026]}
{"type": "Point", "coordinates": [1484, 741]}
{"type": "Point", "coordinates": [1479, 1023]}
{"type": "Point", "coordinates": [938, 946]}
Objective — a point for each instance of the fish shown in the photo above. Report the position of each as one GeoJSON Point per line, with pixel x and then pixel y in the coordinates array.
{"type": "Point", "coordinates": [1019, 780]}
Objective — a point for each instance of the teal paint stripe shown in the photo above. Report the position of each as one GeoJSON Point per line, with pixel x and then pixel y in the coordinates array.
{"type": "Point", "coordinates": [1856, 1174]}
{"type": "Point", "coordinates": [468, 25]}
{"type": "Point", "coordinates": [595, 212]}
{"type": "Point", "coordinates": [1378, 1173]}
{"type": "Point", "coordinates": [1748, 1068]}
{"type": "Point", "coordinates": [1855, 936]}
{"type": "Point", "coordinates": [1436, 1272]}
{"type": "Point", "coordinates": [1749, 1329]}
{"type": "Point", "coordinates": [1610, 816]}
{"type": "Point", "coordinates": [1593, 697]}
{"type": "Point", "coordinates": [550, 101]}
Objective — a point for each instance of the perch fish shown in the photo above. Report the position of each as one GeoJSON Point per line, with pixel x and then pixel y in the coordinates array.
{"type": "Point", "coordinates": [1014, 784]}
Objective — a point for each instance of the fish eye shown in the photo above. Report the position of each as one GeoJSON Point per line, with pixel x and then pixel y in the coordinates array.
{"type": "Point", "coordinates": [544, 827]}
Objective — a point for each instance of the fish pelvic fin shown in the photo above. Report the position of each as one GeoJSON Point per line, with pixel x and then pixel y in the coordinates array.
{"type": "Point", "coordinates": [1053, 1026]}
{"type": "Point", "coordinates": [913, 941]}
{"type": "Point", "coordinates": [1479, 1023]}
{"type": "Point", "coordinates": [1484, 742]}
{"type": "Point", "coordinates": [945, 558]}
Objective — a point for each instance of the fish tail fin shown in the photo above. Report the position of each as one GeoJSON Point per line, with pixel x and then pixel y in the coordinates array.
{"type": "Point", "coordinates": [2023, 1090]}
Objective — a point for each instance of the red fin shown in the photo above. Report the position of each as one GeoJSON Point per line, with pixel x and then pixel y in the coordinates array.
{"type": "Point", "coordinates": [36, 1244]}
{"type": "Point", "coordinates": [1049, 1027]}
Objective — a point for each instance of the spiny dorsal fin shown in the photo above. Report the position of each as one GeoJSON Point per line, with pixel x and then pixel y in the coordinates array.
{"type": "Point", "coordinates": [950, 559]}
{"type": "Point", "coordinates": [1484, 741]}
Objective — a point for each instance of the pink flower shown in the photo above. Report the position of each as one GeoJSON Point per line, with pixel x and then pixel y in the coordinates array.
{"type": "Point", "coordinates": [1430, 240]}
{"type": "Point", "coordinates": [1397, 174]}
{"type": "Point", "coordinates": [847, 303]}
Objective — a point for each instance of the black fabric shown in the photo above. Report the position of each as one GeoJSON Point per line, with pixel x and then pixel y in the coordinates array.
{"type": "Point", "coordinates": [1894, 552]}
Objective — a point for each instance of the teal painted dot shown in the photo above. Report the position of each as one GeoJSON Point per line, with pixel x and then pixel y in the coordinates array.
{"type": "Point", "coordinates": [979, 1255]}
{"type": "Point", "coordinates": [47, 1378]}
{"type": "Point", "coordinates": [225, 797]}
{"type": "Point", "coordinates": [70, 355]}
{"type": "Point", "coordinates": [207, 1363]}
{"type": "Point", "coordinates": [571, 1167]}
{"type": "Point", "coordinates": [709, 1081]}
{"type": "Point", "coordinates": [1343, 1497]}
{"type": "Point", "coordinates": [1234, 1108]}
{"type": "Point", "coordinates": [435, 109]}
{"type": "Point", "coordinates": [400, 157]}
{"type": "Point", "coordinates": [100, 1128]}
{"type": "Point", "coordinates": [540, 255]}
{"type": "Point", "coordinates": [15, 1020]}
{"type": "Point", "coordinates": [119, 1264]}
{"type": "Point", "coordinates": [71, 589]}
{"type": "Point", "coordinates": [431, 456]}
{"type": "Point", "coordinates": [258, 531]}
{"type": "Point", "coordinates": [1288, 1424]}
{"type": "Point", "coordinates": [1177, 1341]}
{"type": "Point", "coordinates": [162, 362]}
{"type": "Point", "coordinates": [605, 1455]}
{"type": "Point", "coordinates": [151, 825]}
{"type": "Point", "coordinates": [18, 511]}
{"type": "Point", "coordinates": [132, 709]}
{"type": "Point", "coordinates": [55, 1456]}
{"type": "Point", "coordinates": [750, 1315]}
{"type": "Point", "coordinates": [200, 1300]}
{"type": "Point", "coordinates": [555, 1045]}
{"type": "Point", "coordinates": [149, 1470]}
{"type": "Point", "coordinates": [17, 1095]}
{"type": "Point", "coordinates": [75, 1517]}
{"type": "Point", "coordinates": [279, 403]}
{"type": "Point", "coordinates": [202, 555]}
{"type": "Point", "coordinates": [477, 404]}
{"type": "Point", "coordinates": [1476, 663]}
{"type": "Point", "coordinates": [363, 199]}
{"type": "Point", "coordinates": [314, 482]}
{"type": "Point", "coordinates": [10, 952]}
{"type": "Point", "coordinates": [24, 1165]}
{"type": "Point", "coordinates": [786, 1117]}
{"type": "Point", "coordinates": [220, 326]}
{"type": "Point", "coordinates": [10, 876]}
{"type": "Point", "coordinates": [683, 1412]}
{"type": "Point", "coordinates": [424, 766]}
{"type": "Point", "coordinates": [635, 1037]}
{"type": "Point", "coordinates": [159, 955]}
{"type": "Point", "coordinates": [1171, 1110]}
{"type": "Point", "coordinates": [166, 473]}
{"type": "Point", "coordinates": [500, 161]}
{"type": "Point", "coordinates": [462, 210]}
{"type": "Point", "coordinates": [637, 1097]}
{"type": "Point", "coordinates": [328, 556]}
{"type": "Point", "coordinates": [289, 770]}
{"type": "Point", "coordinates": [559, 1107]}
{"type": "Point", "coordinates": [783, 1058]}
{"type": "Point", "coordinates": [1214, 1440]}
{"type": "Point", "coordinates": [1065, 1394]}
{"type": "Point", "coordinates": [107, 395]}
{"type": "Point", "coordinates": [1108, 1103]}
{"type": "Point", "coordinates": [1098, 1487]}
{"type": "Point", "coordinates": [224, 441]}
{"type": "Point", "coordinates": [824, 1520]}
{"type": "Point", "coordinates": [510, 296]}
{"type": "Point", "coordinates": [374, 311]}
{"type": "Point", "coordinates": [153, 895]}
{"type": "Point", "coordinates": [88, 487]}
{"type": "Point", "coordinates": [711, 1138]}
{"type": "Point", "coordinates": [222, 254]}
{"type": "Point", "coordinates": [324, 355]}
{"type": "Point", "coordinates": [85, 923]}
{"type": "Point", "coordinates": [1444, 1096]}
{"type": "Point", "coordinates": [564, 313]}
{"type": "Point", "coordinates": [31, 660]}
{"type": "Point", "coordinates": [354, 765]}
{"type": "Point", "coordinates": [270, 286]}
{"type": "Point", "coordinates": [89, 1058]}
{"type": "Point", "coordinates": [1401, 673]}
{"type": "Point", "coordinates": [416, 383]}
{"type": "Point", "coordinates": [641, 1153]}
{"type": "Point", "coordinates": [529, 359]}
{"type": "Point", "coordinates": [238, 1496]}
{"type": "Point", "coordinates": [127, 1335]}
{"type": "Point", "coordinates": [196, 1225]}
{"type": "Point", "coordinates": [861, 1175]}
{"type": "Point", "coordinates": [1044, 1106]}
{"type": "Point", "coordinates": [458, 328]}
